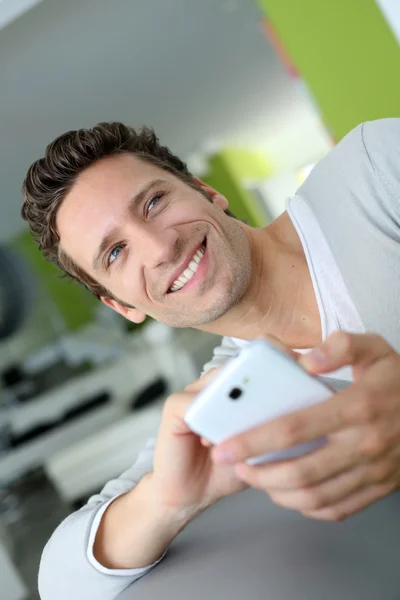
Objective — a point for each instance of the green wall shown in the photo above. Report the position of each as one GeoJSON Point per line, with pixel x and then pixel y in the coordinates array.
{"type": "Point", "coordinates": [227, 171]}
{"type": "Point", "coordinates": [76, 305]}
{"type": "Point", "coordinates": [346, 53]}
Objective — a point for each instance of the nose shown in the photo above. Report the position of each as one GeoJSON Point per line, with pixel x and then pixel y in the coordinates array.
{"type": "Point", "coordinates": [155, 246]}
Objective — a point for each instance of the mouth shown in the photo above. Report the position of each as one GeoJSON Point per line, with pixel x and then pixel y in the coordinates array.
{"type": "Point", "coordinates": [189, 270]}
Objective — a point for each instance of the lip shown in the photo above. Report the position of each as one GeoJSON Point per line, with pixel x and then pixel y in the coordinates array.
{"type": "Point", "coordinates": [184, 264]}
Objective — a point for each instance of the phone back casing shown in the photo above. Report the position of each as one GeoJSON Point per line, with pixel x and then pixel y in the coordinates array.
{"type": "Point", "coordinates": [272, 384]}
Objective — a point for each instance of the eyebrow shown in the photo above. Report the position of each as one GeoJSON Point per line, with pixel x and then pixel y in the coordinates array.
{"type": "Point", "coordinates": [112, 235]}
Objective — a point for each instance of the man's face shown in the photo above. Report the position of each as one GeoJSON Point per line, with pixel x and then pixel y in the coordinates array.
{"type": "Point", "coordinates": [154, 242]}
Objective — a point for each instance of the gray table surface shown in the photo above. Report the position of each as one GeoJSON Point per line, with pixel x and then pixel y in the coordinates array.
{"type": "Point", "coordinates": [246, 547]}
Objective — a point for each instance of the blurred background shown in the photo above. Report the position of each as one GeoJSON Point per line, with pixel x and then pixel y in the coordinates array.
{"type": "Point", "coordinates": [251, 94]}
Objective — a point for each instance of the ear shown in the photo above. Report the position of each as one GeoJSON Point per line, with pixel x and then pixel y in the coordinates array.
{"type": "Point", "coordinates": [217, 198]}
{"type": "Point", "coordinates": [132, 314]}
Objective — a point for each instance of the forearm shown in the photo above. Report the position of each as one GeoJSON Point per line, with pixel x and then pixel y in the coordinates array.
{"type": "Point", "coordinates": [136, 530]}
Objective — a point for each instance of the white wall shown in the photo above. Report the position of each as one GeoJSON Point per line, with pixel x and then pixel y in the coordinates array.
{"type": "Point", "coordinates": [391, 10]}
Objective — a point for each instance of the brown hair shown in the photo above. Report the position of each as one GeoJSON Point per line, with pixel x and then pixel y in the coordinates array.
{"type": "Point", "coordinates": [50, 178]}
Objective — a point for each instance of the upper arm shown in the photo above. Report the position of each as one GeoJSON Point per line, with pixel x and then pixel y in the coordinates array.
{"type": "Point", "coordinates": [381, 141]}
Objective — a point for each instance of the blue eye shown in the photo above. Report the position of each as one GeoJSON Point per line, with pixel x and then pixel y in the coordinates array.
{"type": "Point", "coordinates": [115, 252]}
{"type": "Point", "coordinates": [155, 200]}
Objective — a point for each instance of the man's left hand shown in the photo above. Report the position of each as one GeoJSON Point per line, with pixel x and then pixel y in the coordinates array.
{"type": "Point", "coordinates": [360, 463]}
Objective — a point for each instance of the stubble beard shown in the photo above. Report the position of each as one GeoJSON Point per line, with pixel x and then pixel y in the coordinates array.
{"type": "Point", "coordinates": [224, 294]}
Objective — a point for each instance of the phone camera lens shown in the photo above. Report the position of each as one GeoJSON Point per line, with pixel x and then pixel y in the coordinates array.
{"type": "Point", "coordinates": [235, 393]}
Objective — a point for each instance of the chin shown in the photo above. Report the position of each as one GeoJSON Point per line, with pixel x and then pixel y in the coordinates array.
{"type": "Point", "coordinates": [205, 312]}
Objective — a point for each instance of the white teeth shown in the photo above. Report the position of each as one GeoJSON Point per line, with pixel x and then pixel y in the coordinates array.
{"type": "Point", "coordinates": [189, 271]}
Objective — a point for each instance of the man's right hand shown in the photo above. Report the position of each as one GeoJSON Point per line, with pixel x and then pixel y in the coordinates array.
{"type": "Point", "coordinates": [184, 476]}
{"type": "Point", "coordinates": [137, 527]}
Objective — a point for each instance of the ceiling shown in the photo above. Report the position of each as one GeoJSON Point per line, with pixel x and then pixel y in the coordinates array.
{"type": "Point", "coordinates": [197, 71]}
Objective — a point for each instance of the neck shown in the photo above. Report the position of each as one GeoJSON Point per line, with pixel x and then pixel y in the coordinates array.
{"type": "Point", "coordinates": [280, 299]}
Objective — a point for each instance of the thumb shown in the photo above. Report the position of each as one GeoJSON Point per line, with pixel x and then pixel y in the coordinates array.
{"type": "Point", "coordinates": [176, 405]}
{"type": "Point", "coordinates": [345, 349]}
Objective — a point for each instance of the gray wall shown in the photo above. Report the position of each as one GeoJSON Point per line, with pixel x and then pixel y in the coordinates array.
{"type": "Point", "coordinates": [195, 70]}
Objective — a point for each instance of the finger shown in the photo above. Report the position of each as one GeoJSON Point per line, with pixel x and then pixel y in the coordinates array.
{"type": "Point", "coordinates": [342, 349]}
{"type": "Point", "coordinates": [339, 412]}
{"type": "Point", "coordinates": [353, 504]}
{"type": "Point", "coordinates": [321, 465]}
{"type": "Point", "coordinates": [196, 386]}
{"type": "Point", "coordinates": [205, 443]}
{"type": "Point", "coordinates": [173, 413]}
{"type": "Point", "coordinates": [322, 496]}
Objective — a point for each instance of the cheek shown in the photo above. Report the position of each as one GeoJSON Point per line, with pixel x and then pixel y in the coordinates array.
{"type": "Point", "coordinates": [127, 279]}
{"type": "Point", "coordinates": [186, 210]}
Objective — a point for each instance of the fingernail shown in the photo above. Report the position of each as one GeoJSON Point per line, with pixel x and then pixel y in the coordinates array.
{"type": "Point", "coordinates": [315, 358]}
{"type": "Point", "coordinates": [223, 456]}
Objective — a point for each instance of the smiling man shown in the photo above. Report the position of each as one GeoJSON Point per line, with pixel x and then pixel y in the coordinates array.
{"type": "Point", "coordinates": [121, 214]}
{"type": "Point", "coordinates": [147, 234]}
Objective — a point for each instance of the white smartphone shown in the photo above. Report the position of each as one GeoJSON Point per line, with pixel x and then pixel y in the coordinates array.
{"type": "Point", "coordinates": [259, 385]}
